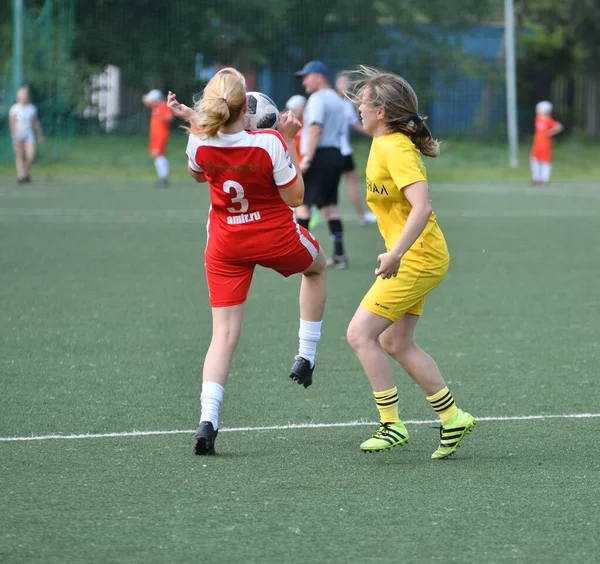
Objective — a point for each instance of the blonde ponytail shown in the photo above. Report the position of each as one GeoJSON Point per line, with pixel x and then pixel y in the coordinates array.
{"type": "Point", "coordinates": [221, 104]}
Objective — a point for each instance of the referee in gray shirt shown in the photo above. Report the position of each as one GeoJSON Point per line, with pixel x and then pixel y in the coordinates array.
{"type": "Point", "coordinates": [322, 161]}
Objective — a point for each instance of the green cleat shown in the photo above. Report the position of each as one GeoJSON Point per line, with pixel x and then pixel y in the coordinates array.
{"type": "Point", "coordinates": [313, 221]}
{"type": "Point", "coordinates": [387, 436]}
{"type": "Point", "coordinates": [453, 433]}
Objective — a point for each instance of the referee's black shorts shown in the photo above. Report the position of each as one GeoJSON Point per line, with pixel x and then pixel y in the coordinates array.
{"type": "Point", "coordinates": [348, 163]}
{"type": "Point", "coordinates": [322, 178]}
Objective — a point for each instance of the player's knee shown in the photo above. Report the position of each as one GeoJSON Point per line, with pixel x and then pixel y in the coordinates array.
{"type": "Point", "coordinates": [395, 347]}
{"type": "Point", "coordinates": [320, 263]}
{"type": "Point", "coordinates": [226, 336]}
{"type": "Point", "coordinates": [356, 335]}
{"type": "Point", "coordinates": [318, 266]}
{"type": "Point", "coordinates": [324, 211]}
{"type": "Point", "coordinates": [352, 336]}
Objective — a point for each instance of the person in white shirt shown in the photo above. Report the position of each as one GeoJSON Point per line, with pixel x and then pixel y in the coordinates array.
{"type": "Point", "coordinates": [349, 169]}
{"type": "Point", "coordinates": [23, 120]}
{"type": "Point", "coordinates": [321, 166]}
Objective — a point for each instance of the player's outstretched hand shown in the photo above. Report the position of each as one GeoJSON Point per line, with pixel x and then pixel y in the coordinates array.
{"type": "Point", "coordinates": [177, 109]}
{"type": "Point", "coordinates": [389, 265]}
{"type": "Point", "coordinates": [288, 126]}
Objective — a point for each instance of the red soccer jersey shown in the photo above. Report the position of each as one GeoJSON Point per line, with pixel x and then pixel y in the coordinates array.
{"type": "Point", "coordinates": [248, 219]}
{"type": "Point", "coordinates": [542, 140]}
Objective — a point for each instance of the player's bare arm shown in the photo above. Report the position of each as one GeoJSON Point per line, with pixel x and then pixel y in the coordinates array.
{"type": "Point", "coordinates": [418, 195]}
{"type": "Point", "coordinates": [12, 121]}
{"type": "Point", "coordinates": [178, 109]}
{"type": "Point", "coordinates": [197, 176]}
{"type": "Point", "coordinates": [558, 127]}
{"type": "Point", "coordinates": [314, 132]}
{"type": "Point", "coordinates": [38, 129]}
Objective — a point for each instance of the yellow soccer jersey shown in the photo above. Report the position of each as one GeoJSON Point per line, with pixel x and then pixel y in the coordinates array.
{"type": "Point", "coordinates": [394, 163]}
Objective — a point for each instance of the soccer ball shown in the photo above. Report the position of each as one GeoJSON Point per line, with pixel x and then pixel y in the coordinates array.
{"type": "Point", "coordinates": [262, 112]}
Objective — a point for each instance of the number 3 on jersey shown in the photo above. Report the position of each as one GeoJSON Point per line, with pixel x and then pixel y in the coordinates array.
{"type": "Point", "coordinates": [232, 185]}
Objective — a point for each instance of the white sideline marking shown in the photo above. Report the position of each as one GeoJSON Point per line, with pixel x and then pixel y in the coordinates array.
{"type": "Point", "coordinates": [292, 426]}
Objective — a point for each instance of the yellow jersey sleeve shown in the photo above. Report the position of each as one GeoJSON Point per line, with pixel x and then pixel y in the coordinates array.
{"type": "Point", "coordinates": [405, 165]}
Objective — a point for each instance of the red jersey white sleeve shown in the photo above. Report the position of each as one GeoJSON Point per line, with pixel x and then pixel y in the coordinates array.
{"type": "Point", "coordinates": [248, 219]}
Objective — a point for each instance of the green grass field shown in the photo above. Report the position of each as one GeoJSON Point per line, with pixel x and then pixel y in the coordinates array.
{"type": "Point", "coordinates": [105, 322]}
{"type": "Point", "coordinates": [462, 160]}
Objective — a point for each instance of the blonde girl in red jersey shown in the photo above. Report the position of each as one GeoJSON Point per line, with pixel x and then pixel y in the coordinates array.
{"type": "Point", "coordinates": [541, 151]}
{"type": "Point", "coordinates": [254, 183]}
{"type": "Point", "coordinates": [415, 262]}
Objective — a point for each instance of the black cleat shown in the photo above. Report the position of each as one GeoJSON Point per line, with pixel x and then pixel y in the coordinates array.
{"type": "Point", "coordinates": [301, 372]}
{"type": "Point", "coordinates": [204, 440]}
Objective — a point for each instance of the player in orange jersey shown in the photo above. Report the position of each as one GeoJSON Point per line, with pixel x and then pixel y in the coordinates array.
{"type": "Point", "coordinates": [541, 152]}
{"type": "Point", "coordinates": [160, 130]}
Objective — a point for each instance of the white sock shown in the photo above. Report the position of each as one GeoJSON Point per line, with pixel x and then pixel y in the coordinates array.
{"type": "Point", "coordinates": [535, 170]}
{"type": "Point", "coordinates": [161, 163]}
{"type": "Point", "coordinates": [545, 170]}
{"type": "Point", "coordinates": [309, 335]}
{"type": "Point", "coordinates": [211, 399]}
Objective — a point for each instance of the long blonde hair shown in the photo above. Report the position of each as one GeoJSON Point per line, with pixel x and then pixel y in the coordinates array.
{"type": "Point", "coordinates": [394, 94]}
{"type": "Point", "coordinates": [221, 103]}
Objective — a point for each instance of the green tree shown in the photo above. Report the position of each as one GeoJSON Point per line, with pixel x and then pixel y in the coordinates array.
{"type": "Point", "coordinates": [559, 55]}
{"type": "Point", "coordinates": [429, 39]}
{"type": "Point", "coordinates": [565, 34]}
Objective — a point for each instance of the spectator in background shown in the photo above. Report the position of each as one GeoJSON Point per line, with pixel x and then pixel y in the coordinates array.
{"type": "Point", "coordinates": [23, 120]}
{"type": "Point", "coordinates": [348, 167]}
{"type": "Point", "coordinates": [541, 152]}
{"type": "Point", "coordinates": [296, 104]}
{"type": "Point", "coordinates": [321, 163]}
{"type": "Point", "coordinates": [160, 130]}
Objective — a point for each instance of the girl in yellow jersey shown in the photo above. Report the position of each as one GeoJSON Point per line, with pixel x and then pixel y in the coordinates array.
{"type": "Point", "coordinates": [415, 262]}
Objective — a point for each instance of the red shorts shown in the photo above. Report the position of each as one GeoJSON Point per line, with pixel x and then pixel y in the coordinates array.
{"type": "Point", "coordinates": [229, 280]}
{"type": "Point", "coordinates": [542, 151]}
{"type": "Point", "coordinates": [158, 146]}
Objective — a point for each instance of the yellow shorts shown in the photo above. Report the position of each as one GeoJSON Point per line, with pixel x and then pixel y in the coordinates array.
{"type": "Point", "coordinates": [393, 297]}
